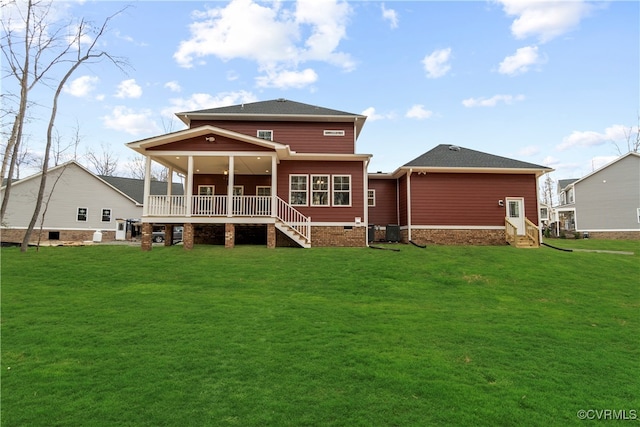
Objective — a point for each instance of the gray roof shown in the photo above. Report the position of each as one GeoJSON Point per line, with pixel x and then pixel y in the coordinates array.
{"type": "Point", "coordinates": [134, 188]}
{"type": "Point", "coordinates": [278, 107]}
{"type": "Point", "coordinates": [562, 183]}
{"type": "Point", "coordinates": [453, 156]}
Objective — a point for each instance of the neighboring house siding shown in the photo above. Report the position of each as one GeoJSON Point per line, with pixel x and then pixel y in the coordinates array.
{"type": "Point", "coordinates": [466, 199]}
{"type": "Point", "coordinates": [301, 137]}
{"type": "Point", "coordinates": [385, 210]}
{"type": "Point", "coordinates": [199, 143]}
{"type": "Point", "coordinates": [75, 189]}
{"type": "Point", "coordinates": [340, 214]}
{"type": "Point", "coordinates": [609, 199]}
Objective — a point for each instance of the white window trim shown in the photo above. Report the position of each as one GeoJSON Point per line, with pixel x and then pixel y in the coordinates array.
{"type": "Point", "coordinates": [102, 214]}
{"type": "Point", "coordinates": [213, 189]}
{"type": "Point", "coordinates": [86, 215]}
{"type": "Point", "coordinates": [264, 130]}
{"type": "Point", "coordinates": [372, 205]}
{"type": "Point", "coordinates": [306, 203]}
{"type": "Point", "coordinates": [328, 190]}
{"type": "Point", "coordinates": [259, 187]}
{"type": "Point", "coordinates": [333, 191]}
{"type": "Point", "coordinates": [240, 187]}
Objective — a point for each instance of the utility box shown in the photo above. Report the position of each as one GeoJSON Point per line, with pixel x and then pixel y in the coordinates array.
{"type": "Point", "coordinates": [393, 233]}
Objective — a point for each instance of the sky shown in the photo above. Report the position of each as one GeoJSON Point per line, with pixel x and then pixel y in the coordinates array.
{"type": "Point", "coordinates": [551, 83]}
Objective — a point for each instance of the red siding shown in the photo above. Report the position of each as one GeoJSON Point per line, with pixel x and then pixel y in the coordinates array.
{"type": "Point", "coordinates": [250, 182]}
{"type": "Point", "coordinates": [303, 137]}
{"type": "Point", "coordinates": [200, 144]}
{"type": "Point", "coordinates": [385, 211]}
{"type": "Point", "coordinates": [331, 213]}
{"type": "Point", "coordinates": [402, 199]}
{"type": "Point", "coordinates": [469, 199]}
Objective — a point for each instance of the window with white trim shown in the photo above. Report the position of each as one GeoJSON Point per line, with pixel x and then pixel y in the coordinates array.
{"type": "Point", "coordinates": [206, 190]}
{"type": "Point", "coordinates": [371, 198]}
{"type": "Point", "coordinates": [265, 134]}
{"type": "Point", "coordinates": [263, 191]}
{"type": "Point", "coordinates": [544, 214]}
{"type": "Point", "coordinates": [106, 215]}
{"type": "Point", "coordinates": [342, 190]}
{"type": "Point", "coordinates": [320, 190]}
{"type": "Point", "coordinates": [82, 214]}
{"type": "Point", "coordinates": [298, 190]}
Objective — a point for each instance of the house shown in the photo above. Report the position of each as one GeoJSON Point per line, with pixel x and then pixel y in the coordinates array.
{"type": "Point", "coordinates": [78, 203]}
{"type": "Point", "coordinates": [456, 195]}
{"type": "Point", "coordinates": [285, 173]}
{"type": "Point", "coordinates": [280, 169]}
{"type": "Point", "coordinates": [604, 203]}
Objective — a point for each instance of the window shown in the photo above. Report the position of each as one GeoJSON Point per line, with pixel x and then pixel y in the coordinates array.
{"type": "Point", "coordinates": [205, 190]}
{"type": "Point", "coordinates": [544, 213]}
{"type": "Point", "coordinates": [371, 197]}
{"type": "Point", "coordinates": [265, 134]}
{"type": "Point", "coordinates": [298, 190]}
{"type": "Point", "coordinates": [638, 214]}
{"type": "Point", "coordinates": [320, 190]}
{"type": "Point", "coordinates": [263, 191]}
{"type": "Point", "coordinates": [514, 209]}
{"type": "Point", "coordinates": [106, 215]}
{"type": "Point", "coordinates": [342, 190]}
{"type": "Point", "coordinates": [238, 190]}
{"type": "Point", "coordinates": [82, 215]}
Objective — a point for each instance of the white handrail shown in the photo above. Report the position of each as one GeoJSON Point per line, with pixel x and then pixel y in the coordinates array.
{"type": "Point", "coordinates": [294, 219]}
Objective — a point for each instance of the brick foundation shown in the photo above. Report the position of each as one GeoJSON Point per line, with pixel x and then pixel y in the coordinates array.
{"type": "Point", "coordinates": [614, 235]}
{"type": "Point", "coordinates": [229, 235]}
{"type": "Point", "coordinates": [146, 236]}
{"type": "Point", "coordinates": [16, 235]}
{"type": "Point", "coordinates": [187, 236]}
{"type": "Point", "coordinates": [271, 236]}
{"type": "Point", "coordinates": [455, 237]}
{"type": "Point", "coordinates": [338, 236]}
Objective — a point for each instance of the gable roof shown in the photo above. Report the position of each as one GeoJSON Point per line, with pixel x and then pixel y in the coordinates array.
{"type": "Point", "coordinates": [274, 110]}
{"type": "Point", "coordinates": [624, 156]}
{"type": "Point", "coordinates": [564, 183]}
{"type": "Point", "coordinates": [134, 188]}
{"type": "Point", "coordinates": [453, 157]}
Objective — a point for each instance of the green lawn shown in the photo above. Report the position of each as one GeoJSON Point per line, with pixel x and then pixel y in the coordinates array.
{"type": "Point", "coordinates": [111, 335]}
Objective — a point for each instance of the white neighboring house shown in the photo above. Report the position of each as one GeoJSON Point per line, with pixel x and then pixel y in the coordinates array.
{"type": "Point", "coordinates": [81, 204]}
{"type": "Point", "coordinates": [606, 202]}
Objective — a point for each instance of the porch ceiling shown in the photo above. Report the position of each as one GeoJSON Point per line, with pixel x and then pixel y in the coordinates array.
{"type": "Point", "coordinates": [243, 165]}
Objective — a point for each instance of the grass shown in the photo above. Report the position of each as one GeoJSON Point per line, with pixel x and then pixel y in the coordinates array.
{"type": "Point", "coordinates": [112, 335]}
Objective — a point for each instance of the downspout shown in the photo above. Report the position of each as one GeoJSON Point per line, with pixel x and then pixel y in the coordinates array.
{"type": "Point", "coordinates": [365, 166]}
{"type": "Point", "coordinates": [409, 204]}
{"type": "Point", "coordinates": [538, 208]}
{"type": "Point", "coordinates": [274, 186]}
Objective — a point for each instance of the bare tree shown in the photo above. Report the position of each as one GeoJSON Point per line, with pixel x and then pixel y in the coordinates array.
{"type": "Point", "coordinates": [632, 138]}
{"type": "Point", "coordinates": [26, 158]}
{"type": "Point", "coordinates": [103, 162]}
{"type": "Point", "coordinates": [73, 55]}
{"type": "Point", "coordinates": [137, 170]}
{"type": "Point", "coordinates": [548, 190]}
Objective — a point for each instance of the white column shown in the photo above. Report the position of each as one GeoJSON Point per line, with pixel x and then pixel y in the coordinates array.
{"type": "Point", "coordinates": [409, 204]}
{"type": "Point", "coordinates": [274, 186]}
{"type": "Point", "coordinates": [230, 187]}
{"type": "Point", "coordinates": [169, 182]}
{"type": "Point", "coordinates": [147, 186]}
{"type": "Point", "coordinates": [189, 190]}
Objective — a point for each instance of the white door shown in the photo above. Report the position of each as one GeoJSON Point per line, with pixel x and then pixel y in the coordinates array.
{"type": "Point", "coordinates": [515, 213]}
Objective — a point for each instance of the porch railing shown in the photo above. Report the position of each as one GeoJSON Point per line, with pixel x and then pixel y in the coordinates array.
{"type": "Point", "coordinates": [252, 206]}
{"type": "Point", "coordinates": [531, 232]}
{"type": "Point", "coordinates": [294, 219]}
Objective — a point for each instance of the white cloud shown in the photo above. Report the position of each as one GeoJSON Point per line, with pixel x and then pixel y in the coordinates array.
{"type": "Point", "coordinates": [287, 79]}
{"type": "Point", "coordinates": [418, 112]}
{"type": "Point", "coordinates": [437, 64]}
{"type": "Point", "coordinates": [82, 86]}
{"type": "Point", "coordinates": [545, 20]}
{"type": "Point", "coordinates": [129, 89]}
{"type": "Point", "coordinates": [520, 61]}
{"type": "Point", "coordinates": [390, 15]}
{"type": "Point", "coordinates": [372, 116]}
{"type": "Point", "coordinates": [201, 101]}
{"type": "Point", "coordinates": [173, 86]}
{"type": "Point", "coordinates": [493, 101]}
{"type": "Point", "coordinates": [612, 134]}
{"type": "Point", "coordinates": [271, 35]}
{"type": "Point", "coordinates": [127, 120]}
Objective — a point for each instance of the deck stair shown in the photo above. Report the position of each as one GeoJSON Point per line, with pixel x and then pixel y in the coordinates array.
{"type": "Point", "coordinates": [530, 239]}
{"type": "Point", "coordinates": [293, 224]}
{"type": "Point", "coordinates": [292, 234]}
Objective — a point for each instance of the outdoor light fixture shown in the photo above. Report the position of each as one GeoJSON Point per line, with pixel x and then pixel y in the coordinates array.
{"type": "Point", "coordinates": [500, 202]}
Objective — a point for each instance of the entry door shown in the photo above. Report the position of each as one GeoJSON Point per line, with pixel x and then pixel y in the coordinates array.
{"type": "Point", "coordinates": [515, 213]}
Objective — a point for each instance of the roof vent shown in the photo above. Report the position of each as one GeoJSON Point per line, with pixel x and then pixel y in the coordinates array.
{"type": "Point", "coordinates": [454, 148]}
{"type": "Point", "coordinates": [281, 100]}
